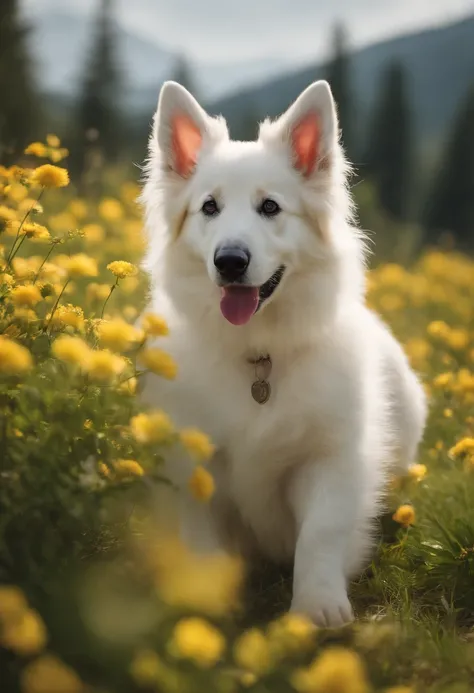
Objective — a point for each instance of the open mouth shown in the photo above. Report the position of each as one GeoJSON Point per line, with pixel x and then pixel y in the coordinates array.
{"type": "Point", "coordinates": [240, 302]}
{"type": "Point", "coordinates": [269, 287]}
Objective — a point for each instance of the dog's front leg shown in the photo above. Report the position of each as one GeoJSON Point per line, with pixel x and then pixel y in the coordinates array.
{"type": "Point", "coordinates": [325, 499]}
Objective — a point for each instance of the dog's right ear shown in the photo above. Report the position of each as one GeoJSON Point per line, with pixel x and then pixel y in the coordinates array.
{"type": "Point", "coordinates": [181, 129]}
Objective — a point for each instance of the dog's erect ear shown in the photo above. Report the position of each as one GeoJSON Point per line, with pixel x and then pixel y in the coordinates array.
{"type": "Point", "coordinates": [309, 128]}
{"type": "Point", "coordinates": [181, 128]}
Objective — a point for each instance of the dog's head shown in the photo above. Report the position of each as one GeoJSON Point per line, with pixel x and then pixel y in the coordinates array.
{"type": "Point", "coordinates": [247, 216]}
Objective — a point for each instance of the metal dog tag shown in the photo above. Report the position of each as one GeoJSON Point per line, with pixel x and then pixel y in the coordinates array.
{"type": "Point", "coordinates": [261, 391]}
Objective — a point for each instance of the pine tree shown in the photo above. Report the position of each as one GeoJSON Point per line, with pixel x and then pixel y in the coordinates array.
{"type": "Point", "coordinates": [19, 104]}
{"type": "Point", "coordinates": [98, 110]}
{"type": "Point", "coordinates": [389, 155]}
{"type": "Point", "coordinates": [339, 78]}
{"type": "Point", "coordinates": [450, 206]}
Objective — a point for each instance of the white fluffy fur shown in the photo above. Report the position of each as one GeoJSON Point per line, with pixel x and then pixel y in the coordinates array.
{"type": "Point", "coordinates": [299, 478]}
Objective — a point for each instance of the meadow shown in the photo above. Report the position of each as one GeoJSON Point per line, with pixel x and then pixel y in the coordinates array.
{"type": "Point", "coordinates": [94, 594]}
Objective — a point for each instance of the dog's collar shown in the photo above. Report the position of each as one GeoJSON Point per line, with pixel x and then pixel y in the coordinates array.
{"type": "Point", "coordinates": [261, 389]}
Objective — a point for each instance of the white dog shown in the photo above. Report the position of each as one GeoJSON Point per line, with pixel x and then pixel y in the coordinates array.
{"type": "Point", "coordinates": [259, 270]}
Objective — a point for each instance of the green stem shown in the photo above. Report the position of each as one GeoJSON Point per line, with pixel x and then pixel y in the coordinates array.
{"type": "Point", "coordinates": [56, 305]}
{"type": "Point", "coordinates": [53, 245]}
{"type": "Point", "coordinates": [112, 289]}
{"type": "Point", "coordinates": [13, 250]}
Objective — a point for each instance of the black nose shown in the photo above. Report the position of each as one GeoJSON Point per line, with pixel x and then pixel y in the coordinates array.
{"type": "Point", "coordinates": [231, 262]}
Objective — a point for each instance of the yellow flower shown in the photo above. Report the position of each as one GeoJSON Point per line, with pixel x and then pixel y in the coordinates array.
{"type": "Point", "coordinates": [209, 583]}
{"type": "Point", "coordinates": [97, 292]}
{"type": "Point", "coordinates": [49, 675]}
{"type": "Point", "coordinates": [145, 668]}
{"type": "Point", "coordinates": [14, 358]}
{"type": "Point", "coordinates": [36, 232]}
{"type": "Point", "coordinates": [25, 268]}
{"type": "Point", "coordinates": [404, 515]}
{"type": "Point", "coordinates": [53, 141]}
{"type": "Point", "coordinates": [443, 380]}
{"type": "Point", "coordinates": [94, 233]}
{"type": "Point", "coordinates": [81, 265]}
{"type": "Point", "coordinates": [104, 366]}
{"type": "Point", "coordinates": [159, 362]}
{"type": "Point", "coordinates": [118, 334]}
{"type": "Point", "coordinates": [49, 176]}
{"type": "Point", "coordinates": [63, 222]}
{"type": "Point", "coordinates": [24, 315]}
{"type": "Point", "coordinates": [201, 484]}
{"type": "Point", "coordinates": [26, 295]}
{"type": "Point", "coordinates": [417, 471]}
{"type": "Point", "coordinates": [78, 208]}
{"type": "Point", "coordinates": [25, 634]}
{"type": "Point", "coordinates": [110, 209]}
{"type": "Point", "coordinates": [130, 313]}
{"type": "Point", "coordinates": [122, 269]}
{"type": "Point", "coordinates": [252, 652]}
{"type": "Point", "coordinates": [68, 316]}
{"type": "Point", "coordinates": [57, 155]}
{"type": "Point", "coordinates": [197, 444]}
{"type": "Point", "coordinates": [448, 413]}
{"type": "Point", "coordinates": [154, 325]}
{"type": "Point", "coordinates": [16, 192]}
{"type": "Point", "coordinates": [462, 447]}
{"type": "Point", "coordinates": [12, 603]}
{"type": "Point", "coordinates": [290, 633]}
{"type": "Point", "coordinates": [438, 328]}
{"type": "Point", "coordinates": [197, 640]}
{"type": "Point", "coordinates": [6, 280]}
{"type": "Point", "coordinates": [36, 149]}
{"type": "Point", "coordinates": [155, 427]}
{"type": "Point", "coordinates": [128, 469]}
{"type": "Point", "coordinates": [7, 214]}
{"type": "Point", "coordinates": [72, 350]}
{"type": "Point", "coordinates": [458, 339]}
{"type": "Point", "coordinates": [128, 386]}
{"type": "Point", "coordinates": [337, 670]}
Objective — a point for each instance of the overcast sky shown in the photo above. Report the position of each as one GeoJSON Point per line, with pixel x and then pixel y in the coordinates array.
{"type": "Point", "coordinates": [221, 30]}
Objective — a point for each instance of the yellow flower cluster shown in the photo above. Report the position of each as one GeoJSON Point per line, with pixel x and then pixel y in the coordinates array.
{"type": "Point", "coordinates": [405, 515]}
{"type": "Point", "coordinates": [197, 640]}
{"type": "Point", "coordinates": [118, 334]}
{"type": "Point", "coordinates": [122, 269]}
{"type": "Point", "coordinates": [336, 669]}
{"type": "Point", "coordinates": [21, 628]}
{"type": "Point", "coordinates": [15, 359]}
{"type": "Point", "coordinates": [100, 365]}
{"type": "Point", "coordinates": [48, 176]}
{"type": "Point", "coordinates": [154, 427]}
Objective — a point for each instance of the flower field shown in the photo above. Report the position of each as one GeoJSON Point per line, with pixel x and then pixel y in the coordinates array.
{"type": "Point", "coordinates": [94, 594]}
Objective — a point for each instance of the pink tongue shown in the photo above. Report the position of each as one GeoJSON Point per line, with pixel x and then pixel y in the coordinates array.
{"type": "Point", "coordinates": [239, 303]}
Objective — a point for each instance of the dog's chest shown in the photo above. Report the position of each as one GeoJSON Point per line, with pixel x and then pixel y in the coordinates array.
{"type": "Point", "coordinates": [264, 443]}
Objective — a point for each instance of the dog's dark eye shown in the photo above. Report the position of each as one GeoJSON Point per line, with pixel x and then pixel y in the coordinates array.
{"type": "Point", "coordinates": [210, 208]}
{"type": "Point", "coordinates": [269, 208]}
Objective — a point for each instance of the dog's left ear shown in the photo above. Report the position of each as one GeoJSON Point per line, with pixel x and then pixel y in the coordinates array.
{"type": "Point", "coordinates": [308, 128]}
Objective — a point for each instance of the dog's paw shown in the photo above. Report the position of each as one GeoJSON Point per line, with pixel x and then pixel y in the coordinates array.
{"type": "Point", "coordinates": [325, 610]}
